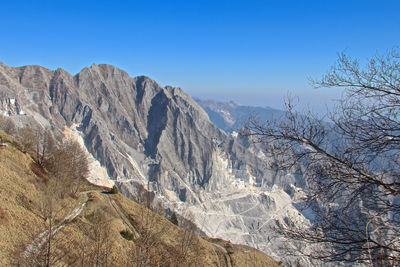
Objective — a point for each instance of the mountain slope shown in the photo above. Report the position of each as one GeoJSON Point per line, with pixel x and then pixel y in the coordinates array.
{"type": "Point", "coordinates": [144, 135]}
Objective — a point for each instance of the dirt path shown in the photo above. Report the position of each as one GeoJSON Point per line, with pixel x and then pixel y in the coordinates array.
{"type": "Point", "coordinates": [36, 245]}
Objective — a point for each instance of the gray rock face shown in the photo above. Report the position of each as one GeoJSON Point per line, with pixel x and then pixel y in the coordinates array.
{"type": "Point", "coordinates": [140, 131]}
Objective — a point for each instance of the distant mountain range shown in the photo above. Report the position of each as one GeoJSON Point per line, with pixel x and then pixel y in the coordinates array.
{"type": "Point", "coordinates": [231, 116]}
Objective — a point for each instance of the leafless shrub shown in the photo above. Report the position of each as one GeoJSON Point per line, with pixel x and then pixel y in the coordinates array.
{"type": "Point", "coordinates": [7, 125]}
{"type": "Point", "coordinates": [189, 244]}
{"type": "Point", "coordinates": [148, 249]}
{"type": "Point", "coordinates": [28, 137]}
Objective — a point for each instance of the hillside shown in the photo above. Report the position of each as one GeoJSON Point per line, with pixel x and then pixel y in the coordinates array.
{"type": "Point", "coordinates": [89, 226]}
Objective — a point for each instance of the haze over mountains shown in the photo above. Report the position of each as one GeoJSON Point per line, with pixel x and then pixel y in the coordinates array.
{"type": "Point", "coordinates": [231, 116]}
{"type": "Point", "coordinates": [141, 133]}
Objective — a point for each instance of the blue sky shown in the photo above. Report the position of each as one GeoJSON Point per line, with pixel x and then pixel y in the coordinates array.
{"type": "Point", "coordinates": [252, 52]}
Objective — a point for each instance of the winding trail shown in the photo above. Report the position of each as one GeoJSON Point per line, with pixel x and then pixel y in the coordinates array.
{"type": "Point", "coordinates": [33, 249]}
{"type": "Point", "coordinates": [36, 245]}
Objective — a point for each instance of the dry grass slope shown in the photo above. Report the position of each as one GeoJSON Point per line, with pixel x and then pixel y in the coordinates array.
{"type": "Point", "coordinates": [93, 238]}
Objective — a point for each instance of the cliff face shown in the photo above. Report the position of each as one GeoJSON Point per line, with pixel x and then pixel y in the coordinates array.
{"type": "Point", "coordinates": [140, 131]}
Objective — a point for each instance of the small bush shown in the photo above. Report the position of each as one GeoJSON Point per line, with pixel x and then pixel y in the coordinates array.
{"type": "Point", "coordinates": [174, 219]}
{"type": "Point", "coordinates": [114, 190]}
{"type": "Point", "coordinates": [127, 235]}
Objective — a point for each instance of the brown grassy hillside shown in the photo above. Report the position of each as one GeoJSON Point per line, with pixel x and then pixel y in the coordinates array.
{"type": "Point", "coordinates": [110, 230]}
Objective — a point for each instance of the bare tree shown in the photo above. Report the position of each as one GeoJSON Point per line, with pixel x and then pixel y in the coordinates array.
{"type": "Point", "coordinates": [7, 125]}
{"type": "Point", "coordinates": [45, 145]}
{"type": "Point", "coordinates": [148, 249]}
{"type": "Point", "coordinates": [69, 163]}
{"type": "Point", "coordinates": [48, 248]}
{"type": "Point", "coordinates": [188, 250]}
{"type": "Point", "coordinates": [351, 163]}
{"type": "Point", "coordinates": [96, 246]}
{"type": "Point", "coordinates": [28, 137]}
{"type": "Point", "coordinates": [79, 164]}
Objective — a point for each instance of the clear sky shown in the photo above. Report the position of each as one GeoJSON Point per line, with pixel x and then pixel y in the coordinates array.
{"type": "Point", "coordinates": [252, 52]}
